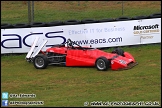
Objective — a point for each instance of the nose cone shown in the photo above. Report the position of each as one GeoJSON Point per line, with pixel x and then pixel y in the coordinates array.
{"type": "Point", "coordinates": [121, 63]}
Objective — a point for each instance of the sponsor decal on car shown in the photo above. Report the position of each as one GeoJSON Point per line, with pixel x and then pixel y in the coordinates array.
{"type": "Point", "coordinates": [122, 61]}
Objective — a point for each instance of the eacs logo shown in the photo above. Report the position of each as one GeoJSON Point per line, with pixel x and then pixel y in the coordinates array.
{"type": "Point", "coordinates": [22, 40]}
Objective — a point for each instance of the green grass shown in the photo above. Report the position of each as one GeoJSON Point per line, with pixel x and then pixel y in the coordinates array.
{"type": "Point", "coordinates": [17, 12]}
{"type": "Point", "coordinates": [72, 86]}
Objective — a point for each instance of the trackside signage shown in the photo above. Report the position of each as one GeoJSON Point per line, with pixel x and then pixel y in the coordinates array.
{"type": "Point", "coordinates": [108, 34]}
{"type": "Point", "coordinates": [148, 30]}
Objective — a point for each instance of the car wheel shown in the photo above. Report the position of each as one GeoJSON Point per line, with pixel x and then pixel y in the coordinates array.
{"type": "Point", "coordinates": [102, 64]}
{"type": "Point", "coordinates": [40, 61]}
{"type": "Point", "coordinates": [118, 51]}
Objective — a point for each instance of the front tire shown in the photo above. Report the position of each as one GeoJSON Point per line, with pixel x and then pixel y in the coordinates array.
{"type": "Point", "coordinates": [102, 64]}
{"type": "Point", "coordinates": [40, 61]}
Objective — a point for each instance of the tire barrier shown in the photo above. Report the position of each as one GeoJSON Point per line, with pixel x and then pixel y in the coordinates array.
{"type": "Point", "coordinates": [38, 24]}
{"type": "Point", "coordinates": [55, 23]}
{"type": "Point", "coordinates": [85, 21]}
{"type": "Point", "coordinates": [155, 15]}
{"type": "Point", "coordinates": [123, 18]}
{"type": "Point", "coordinates": [72, 22]}
{"type": "Point", "coordinates": [6, 25]}
{"type": "Point", "coordinates": [140, 17]}
{"type": "Point", "coordinates": [21, 25]}
{"type": "Point", "coordinates": [106, 20]}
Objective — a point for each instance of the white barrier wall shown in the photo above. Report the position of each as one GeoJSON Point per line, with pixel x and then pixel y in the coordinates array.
{"type": "Point", "coordinates": [108, 34]}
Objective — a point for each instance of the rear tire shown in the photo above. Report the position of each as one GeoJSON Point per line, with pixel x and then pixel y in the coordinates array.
{"type": "Point", "coordinates": [40, 61]}
{"type": "Point", "coordinates": [102, 64]}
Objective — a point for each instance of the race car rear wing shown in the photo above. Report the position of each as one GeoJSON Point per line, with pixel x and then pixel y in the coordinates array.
{"type": "Point", "coordinates": [34, 51]}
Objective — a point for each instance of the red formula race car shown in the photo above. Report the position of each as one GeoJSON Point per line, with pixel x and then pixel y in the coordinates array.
{"type": "Point", "coordinates": [72, 54]}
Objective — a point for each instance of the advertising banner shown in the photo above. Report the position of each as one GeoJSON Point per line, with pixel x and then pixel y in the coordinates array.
{"type": "Point", "coordinates": [108, 34]}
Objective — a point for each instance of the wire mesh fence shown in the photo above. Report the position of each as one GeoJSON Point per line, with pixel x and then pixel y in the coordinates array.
{"type": "Point", "coordinates": [47, 11]}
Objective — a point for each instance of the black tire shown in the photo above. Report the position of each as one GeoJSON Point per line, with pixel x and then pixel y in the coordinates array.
{"type": "Point", "coordinates": [6, 25]}
{"type": "Point", "coordinates": [140, 17]}
{"type": "Point", "coordinates": [118, 51]}
{"type": "Point", "coordinates": [106, 20]}
{"type": "Point", "coordinates": [38, 24]}
{"type": "Point", "coordinates": [72, 22]}
{"type": "Point", "coordinates": [21, 25]}
{"type": "Point", "coordinates": [40, 61]}
{"type": "Point", "coordinates": [123, 18]}
{"type": "Point", "coordinates": [85, 21]}
{"type": "Point", "coordinates": [102, 64]}
{"type": "Point", "coordinates": [55, 23]}
{"type": "Point", "coordinates": [155, 15]}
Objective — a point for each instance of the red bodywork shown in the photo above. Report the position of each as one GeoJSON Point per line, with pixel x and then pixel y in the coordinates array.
{"type": "Point", "coordinates": [80, 57]}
